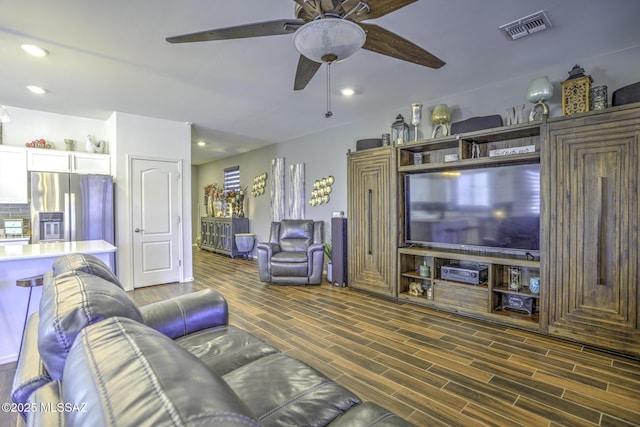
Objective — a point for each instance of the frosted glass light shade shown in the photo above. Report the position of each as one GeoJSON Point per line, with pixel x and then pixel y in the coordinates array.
{"type": "Point", "coordinates": [540, 89]}
{"type": "Point", "coordinates": [329, 39]}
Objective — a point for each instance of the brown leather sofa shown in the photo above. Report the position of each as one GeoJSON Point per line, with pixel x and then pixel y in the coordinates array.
{"type": "Point", "coordinates": [92, 357]}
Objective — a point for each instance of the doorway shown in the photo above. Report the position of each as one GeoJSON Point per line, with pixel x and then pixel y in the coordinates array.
{"type": "Point", "coordinates": [156, 217]}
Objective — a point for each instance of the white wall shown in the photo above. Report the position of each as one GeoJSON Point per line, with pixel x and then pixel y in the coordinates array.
{"type": "Point", "coordinates": [126, 135]}
{"type": "Point", "coordinates": [158, 139]}
{"type": "Point", "coordinates": [27, 125]}
{"type": "Point", "coordinates": [324, 153]}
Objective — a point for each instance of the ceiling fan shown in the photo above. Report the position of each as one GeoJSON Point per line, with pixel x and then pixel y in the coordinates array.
{"type": "Point", "coordinates": [328, 31]}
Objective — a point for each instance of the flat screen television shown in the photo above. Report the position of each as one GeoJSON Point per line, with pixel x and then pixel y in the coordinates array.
{"type": "Point", "coordinates": [484, 208]}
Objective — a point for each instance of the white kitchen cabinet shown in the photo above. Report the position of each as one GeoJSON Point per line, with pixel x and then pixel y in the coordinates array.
{"type": "Point", "coordinates": [13, 174]}
{"type": "Point", "coordinates": [43, 160]}
{"type": "Point", "coordinates": [91, 163]}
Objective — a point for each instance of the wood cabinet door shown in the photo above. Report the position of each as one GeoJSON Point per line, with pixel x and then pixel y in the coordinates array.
{"type": "Point", "coordinates": [593, 244]}
{"type": "Point", "coordinates": [372, 207]}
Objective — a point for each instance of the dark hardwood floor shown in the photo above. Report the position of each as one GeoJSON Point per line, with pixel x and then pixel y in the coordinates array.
{"type": "Point", "coordinates": [432, 368]}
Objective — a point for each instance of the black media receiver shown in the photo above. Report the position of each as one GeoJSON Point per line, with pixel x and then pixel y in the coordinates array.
{"type": "Point", "coordinates": [472, 275]}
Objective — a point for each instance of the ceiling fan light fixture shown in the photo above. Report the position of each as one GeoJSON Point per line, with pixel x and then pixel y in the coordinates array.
{"type": "Point", "coordinates": [329, 39]}
{"type": "Point", "coordinates": [37, 90]}
{"type": "Point", "coordinates": [34, 50]}
{"type": "Point", "coordinates": [347, 91]}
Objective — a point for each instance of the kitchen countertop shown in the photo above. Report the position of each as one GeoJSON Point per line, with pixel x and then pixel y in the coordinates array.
{"type": "Point", "coordinates": [14, 239]}
{"type": "Point", "coordinates": [53, 249]}
{"type": "Point", "coordinates": [20, 261]}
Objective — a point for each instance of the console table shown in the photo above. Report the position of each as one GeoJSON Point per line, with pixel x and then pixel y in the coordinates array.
{"type": "Point", "coordinates": [217, 234]}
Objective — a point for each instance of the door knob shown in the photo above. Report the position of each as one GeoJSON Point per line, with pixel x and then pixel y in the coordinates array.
{"type": "Point", "coordinates": [137, 230]}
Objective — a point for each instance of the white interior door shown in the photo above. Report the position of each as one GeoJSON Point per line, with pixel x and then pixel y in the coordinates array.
{"type": "Point", "coordinates": [156, 234]}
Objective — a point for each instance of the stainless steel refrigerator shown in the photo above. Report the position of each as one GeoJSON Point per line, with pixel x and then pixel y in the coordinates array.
{"type": "Point", "coordinates": [71, 207]}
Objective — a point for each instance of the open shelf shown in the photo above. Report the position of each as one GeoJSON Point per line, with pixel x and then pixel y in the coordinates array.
{"type": "Point", "coordinates": [482, 296]}
{"type": "Point", "coordinates": [472, 149]}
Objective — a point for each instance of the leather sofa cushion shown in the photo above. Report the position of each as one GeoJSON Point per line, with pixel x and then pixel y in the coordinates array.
{"type": "Point", "coordinates": [85, 263]}
{"type": "Point", "coordinates": [369, 414]}
{"type": "Point", "coordinates": [225, 348]}
{"type": "Point", "coordinates": [282, 391]}
{"type": "Point", "coordinates": [125, 373]}
{"type": "Point", "coordinates": [294, 257]}
{"type": "Point", "coordinates": [69, 303]}
{"type": "Point", "coordinates": [295, 234]}
{"type": "Point", "coordinates": [293, 269]}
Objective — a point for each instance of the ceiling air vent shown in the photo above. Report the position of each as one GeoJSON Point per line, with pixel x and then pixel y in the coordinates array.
{"type": "Point", "coordinates": [528, 25]}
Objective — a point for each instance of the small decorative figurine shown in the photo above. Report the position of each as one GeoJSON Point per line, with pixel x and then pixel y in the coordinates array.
{"type": "Point", "coordinates": [94, 147]}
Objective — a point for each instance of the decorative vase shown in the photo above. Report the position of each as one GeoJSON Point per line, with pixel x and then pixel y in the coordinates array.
{"type": "Point", "coordinates": [425, 270]}
{"type": "Point", "coordinates": [69, 143]}
{"type": "Point", "coordinates": [440, 118]}
{"type": "Point", "coordinates": [330, 272]}
{"type": "Point", "coordinates": [540, 90]}
{"type": "Point", "coordinates": [598, 98]}
{"type": "Point", "coordinates": [416, 118]}
{"type": "Point", "coordinates": [534, 285]}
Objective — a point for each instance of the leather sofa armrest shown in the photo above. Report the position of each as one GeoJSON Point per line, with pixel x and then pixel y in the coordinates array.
{"type": "Point", "coordinates": [48, 396]}
{"type": "Point", "coordinates": [30, 371]}
{"type": "Point", "coordinates": [314, 248]}
{"type": "Point", "coordinates": [270, 248]}
{"type": "Point", "coordinates": [265, 251]}
{"type": "Point", "coordinates": [315, 255]}
{"type": "Point", "coordinates": [186, 314]}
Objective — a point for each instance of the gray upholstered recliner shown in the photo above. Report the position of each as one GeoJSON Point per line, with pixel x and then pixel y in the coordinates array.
{"type": "Point", "coordinates": [294, 254]}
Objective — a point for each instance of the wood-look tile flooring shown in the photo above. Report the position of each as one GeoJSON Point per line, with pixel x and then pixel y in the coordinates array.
{"type": "Point", "coordinates": [432, 368]}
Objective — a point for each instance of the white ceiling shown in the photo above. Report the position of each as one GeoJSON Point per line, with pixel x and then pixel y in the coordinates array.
{"type": "Point", "coordinates": [110, 56]}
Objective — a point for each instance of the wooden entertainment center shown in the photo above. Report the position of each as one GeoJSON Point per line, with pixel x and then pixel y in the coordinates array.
{"type": "Point", "coordinates": [588, 264]}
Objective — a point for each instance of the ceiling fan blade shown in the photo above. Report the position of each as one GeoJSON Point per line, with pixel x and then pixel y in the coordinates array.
{"type": "Point", "coordinates": [329, 5]}
{"type": "Point", "coordinates": [259, 29]}
{"type": "Point", "coordinates": [385, 42]}
{"type": "Point", "coordinates": [305, 72]}
{"type": "Point", "coordinates": [379, 8]}
{"type": "Point", "coordinates": [309, 10]}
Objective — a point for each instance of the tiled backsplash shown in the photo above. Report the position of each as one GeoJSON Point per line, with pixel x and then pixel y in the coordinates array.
{"type": "Point", "coordinates": [14, 211]}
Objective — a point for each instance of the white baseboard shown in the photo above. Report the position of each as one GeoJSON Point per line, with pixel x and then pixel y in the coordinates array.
{"type": "Point", "coordinates": [8, 358]}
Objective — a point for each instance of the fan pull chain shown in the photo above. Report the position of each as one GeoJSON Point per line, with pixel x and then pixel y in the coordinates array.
{"type": "Point", "coordinates": [328, 114]}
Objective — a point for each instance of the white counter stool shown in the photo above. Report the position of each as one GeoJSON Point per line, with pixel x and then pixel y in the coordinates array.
{"type": "Point", "coordinates": [28, 282]}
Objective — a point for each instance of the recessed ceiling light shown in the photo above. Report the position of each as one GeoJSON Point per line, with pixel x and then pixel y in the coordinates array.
{"type": "Point", "coordinates": [34, 50]}
{"type": "Point", "coordinates": [201, 143]}
{"type": "Point", "coordinates": [347, 91]}
{"type": "Point", "coordinates": [37, 90]}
